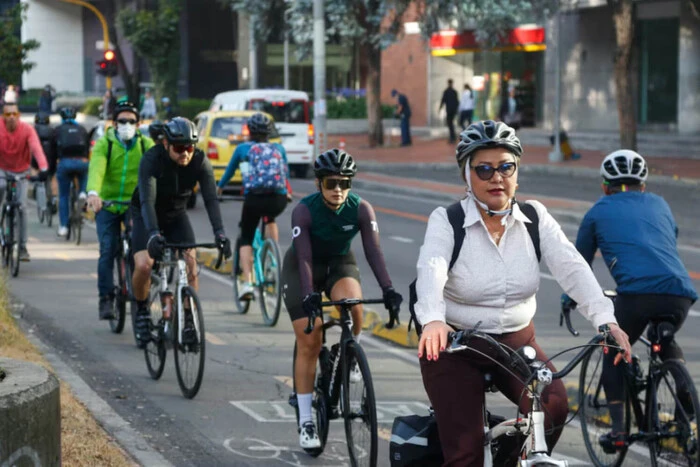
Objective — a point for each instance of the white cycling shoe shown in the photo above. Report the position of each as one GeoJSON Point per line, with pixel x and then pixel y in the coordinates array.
{"type": "Point", "coordinates": [62, 231]}
{"type": "Point", "coordinates": [308, 438]}
{"type": "Point", "coordinates": [246, 292]}
{"type": "Point", "coordinates": [355, 373]}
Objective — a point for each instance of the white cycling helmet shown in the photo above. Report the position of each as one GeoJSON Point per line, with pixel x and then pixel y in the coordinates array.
{"type": "Point", "coordinates": [624, 165]}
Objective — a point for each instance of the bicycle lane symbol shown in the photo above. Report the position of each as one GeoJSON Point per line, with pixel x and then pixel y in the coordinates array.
{"type": "Point", "coordinates": [335, 453]}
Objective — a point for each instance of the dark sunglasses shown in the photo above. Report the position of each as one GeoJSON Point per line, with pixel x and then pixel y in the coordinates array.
{"type": "Point", "coordinates": [125, 121]}
{"type": "Point", "coordinates": [485, 172]}
{"type": "Point", "coordinates": [180, 148]}
{"type": "Point", "coordinates": [331, 183]}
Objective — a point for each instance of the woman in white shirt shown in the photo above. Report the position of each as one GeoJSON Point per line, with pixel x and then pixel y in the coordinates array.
{"type": "Point", "coordinates": [466, 106]}
{"type": "Point", "coordinates": [494, 282]}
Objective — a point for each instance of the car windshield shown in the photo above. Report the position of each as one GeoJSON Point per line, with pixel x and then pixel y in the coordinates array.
{"type": "Point", "coordinates": [283, 112]}
{"type": "Point", "coordinates": [224, 126]}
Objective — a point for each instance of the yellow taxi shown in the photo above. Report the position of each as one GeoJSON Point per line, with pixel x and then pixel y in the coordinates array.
{"type": "Point", "coordinates": [220, 132]}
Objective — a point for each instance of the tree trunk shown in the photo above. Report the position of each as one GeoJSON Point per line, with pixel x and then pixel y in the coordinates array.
{"type": "Point", "coordinates": [374, 106]}
{"type": "Point", "coordinates": [623, 18]}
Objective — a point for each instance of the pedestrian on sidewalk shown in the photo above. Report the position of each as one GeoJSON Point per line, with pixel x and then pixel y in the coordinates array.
{"type": "Point", "coordinates": [466, 107]}
{"type": "Point", "coordinates": [451, 103]}
{"type": "Point", "coordinates": [403, 112]}
{"type": "Point", "coordinates": [46, 99]}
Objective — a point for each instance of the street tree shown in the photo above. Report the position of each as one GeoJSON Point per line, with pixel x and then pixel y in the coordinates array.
{"type": "Point", "coordinates": [14, 52]}
{"type": "Point", "coordinates": [373, 25]}
{"type": "Point", "coordinates": [154, 33]}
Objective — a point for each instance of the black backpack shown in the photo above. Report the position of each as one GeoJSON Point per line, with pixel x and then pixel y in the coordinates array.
{"type": "Point", "coordinates": [72, 140]}
{"type": "Point", "coordinates": [455, 214]}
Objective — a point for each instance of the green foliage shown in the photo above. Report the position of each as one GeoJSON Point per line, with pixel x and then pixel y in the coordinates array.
{"type": "Point", "coordinates": [13, 52]}
{"type": "Point", "coordinates": [29, 98]}
{"type": "Point", "coordinates": [155, 36]}
{"type": "Point", "coordinates": [92, 106]}
{"type": "Point", "coordinates": [191, 107]}
{"type": "Point", "coordinates": [354, 108]}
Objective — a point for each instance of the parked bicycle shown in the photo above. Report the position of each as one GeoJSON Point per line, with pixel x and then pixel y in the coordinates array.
{"type": "Point", "coordinates": [123, 270]}
{"type": "Point", "coordinates": [45, 207]}
{"type": "Point", "coordinates": [177, 320]}
{"type": "Point", "coordinates": [663, 404]}
{"type": "Point", "coordinates": [11, 223]}
{"type": "Point", "coordinates": [336, 395]}
{"type": "Point", "coordinates": [267, 277]}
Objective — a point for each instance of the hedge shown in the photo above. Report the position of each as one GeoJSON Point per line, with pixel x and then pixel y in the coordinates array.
{"type": "Point", "coordinates": [92, 106]}
{"type": "Point", "coordinates": [191, 107]}
{"type": "Point", "coordinates": [353, 109]}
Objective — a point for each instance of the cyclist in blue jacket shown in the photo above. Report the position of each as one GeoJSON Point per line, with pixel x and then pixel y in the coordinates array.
{"type": "Point", "coordinates": [636, 234]}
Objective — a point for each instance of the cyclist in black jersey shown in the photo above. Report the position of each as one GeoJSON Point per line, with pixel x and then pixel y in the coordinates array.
{"type": "Point", "coordinates": [167, 176]}
{"type": "Point", "coordinates": [323, 226]}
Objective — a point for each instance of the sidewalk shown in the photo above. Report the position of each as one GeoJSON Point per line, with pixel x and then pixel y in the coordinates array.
{"type": "Point", "coordinates": [438, 151]}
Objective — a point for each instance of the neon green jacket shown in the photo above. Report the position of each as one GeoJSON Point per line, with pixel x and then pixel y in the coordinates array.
{"type": "Point", "coordinates": [116, 180]}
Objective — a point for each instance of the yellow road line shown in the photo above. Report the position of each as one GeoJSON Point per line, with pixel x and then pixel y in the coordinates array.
{"type": "Point", "coordinates": [213, 339]}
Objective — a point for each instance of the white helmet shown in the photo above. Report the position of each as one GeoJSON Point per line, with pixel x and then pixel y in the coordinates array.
{"type": "Point", "coordinates": [624, 164]}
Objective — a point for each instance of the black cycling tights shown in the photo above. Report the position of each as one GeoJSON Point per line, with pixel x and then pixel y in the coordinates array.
{"type": "Point", "coordinates": [633, 313]}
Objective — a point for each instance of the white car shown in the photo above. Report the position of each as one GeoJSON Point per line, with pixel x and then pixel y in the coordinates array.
{"type": "Point", "coordinates": [292, 115]}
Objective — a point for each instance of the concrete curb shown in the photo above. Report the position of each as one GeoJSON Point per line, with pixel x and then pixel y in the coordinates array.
{"type": "Point", "coordinates": [372, 321]}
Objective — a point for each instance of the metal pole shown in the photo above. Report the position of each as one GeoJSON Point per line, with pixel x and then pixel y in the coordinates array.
{"type": "Point", "coordinates": [556, 155]}
{"type": "Point", "coordinates": [286, 60]}
{"type": "Point", "coordinates": [252, 54]}
{"type": "Point", "coordinates": [319, 77]}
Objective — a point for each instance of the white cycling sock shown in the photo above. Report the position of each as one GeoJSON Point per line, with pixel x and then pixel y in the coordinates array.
{"type": "Point", "coordinates": [304, 404]}
{"type": "Point", "coordinates": [357, 337]}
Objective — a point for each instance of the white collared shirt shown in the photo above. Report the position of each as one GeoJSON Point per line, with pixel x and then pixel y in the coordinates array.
{"type": "Point", "coordinates": [496, 284]}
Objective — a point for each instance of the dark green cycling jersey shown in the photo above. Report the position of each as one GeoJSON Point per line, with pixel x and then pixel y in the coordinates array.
{"type": "Point", "coordinates": [320, 233]}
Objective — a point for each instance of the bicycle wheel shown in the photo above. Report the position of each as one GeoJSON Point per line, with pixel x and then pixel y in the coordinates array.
{"type": "Point", "coordinates": [15, 237]}
{"type": "Point", "coordinates": [271, 287]}
{"type": "Point", "coordinates": [40, 198]}
{"type": "Point", "coordinates": [49, 210]}
{"type": "Point", "coordinates": [674, 416]}
{"type": "Point", "coordinates": [155, 351]}
{"type": "Point", "coordinates": [319, 404]}
{"type": "Point", "coordinates": [242, 306]}
{"type": "Point", "coordinates": [594, 414]}
{"type": "Point", "coordinates": [359, 409]}
{"type": "Point", "coordinates": [78, 220]}
{"type": "Point", "coordinates": [189, 357]}
{"type": "Point", "coordinates": [120, 296]}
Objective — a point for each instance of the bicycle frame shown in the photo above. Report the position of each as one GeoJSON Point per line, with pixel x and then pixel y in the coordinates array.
{"type": "Point", "coordinates": [181, 282]}
{"type": "Point", "coordinates": [332, 381]}
{"type": "Point", "coordinates": [258, 241]}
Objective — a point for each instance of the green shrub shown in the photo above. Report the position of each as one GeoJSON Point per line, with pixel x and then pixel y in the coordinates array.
{"type": "Point", "coordinates": [92, 106]}
{"type": "Point", "coordinates": [354, 108]}
{"type": "Point", "coordinates": [189, 108]}
{"type": "Point", "coordinates": [29, 98]}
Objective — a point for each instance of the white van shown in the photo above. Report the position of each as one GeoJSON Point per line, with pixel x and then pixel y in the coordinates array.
{"type": "Point", "coordinates": [292, 115]}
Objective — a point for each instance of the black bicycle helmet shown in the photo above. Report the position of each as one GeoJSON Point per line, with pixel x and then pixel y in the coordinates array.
{"type": "Point", "coordinates": [125, 106]}
{"type": "Point", "coordinates": [335, 162]}
{"type": "Point", "coordinates": [180, 130]}
{"type": "Point", "coordinates": [487, 134]}
{"type": "Point", "coordinates": [67, 113]}
{"type": "Point", "coordinates": [156, 130]}
{"type": "Point", "coordinates": [259, 124]}
{"type": "Point", "coordinates": [42, 118]}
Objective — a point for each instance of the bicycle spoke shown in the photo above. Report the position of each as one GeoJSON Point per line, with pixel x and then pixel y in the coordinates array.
{"type": "Point", "coordinates": [190, 350]}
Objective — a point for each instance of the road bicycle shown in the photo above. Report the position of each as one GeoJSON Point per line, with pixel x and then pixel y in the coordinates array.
{"type": "Point", "coordinates": [75, 216]}
{"type": "Point", "coordinates": [45, 208]}
{"type": "Point", "coordinates": [663, 403]}
{"type": "Point", "coordinates": [267, 275]}
{"type": "Point", "coordinates": [535, 376]}
{"type": "Point", "coordinates": [172, 315]}
{"type": "Point", "coordinates": [123, 270]}
{"type": "Point", "coordinates": [336, 395]}
{"type": "Point", "coordinates": [11, 222]}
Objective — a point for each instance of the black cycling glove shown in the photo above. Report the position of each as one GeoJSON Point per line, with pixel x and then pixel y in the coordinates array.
{"type": "Point", "coordinates": [156, 246]}
{"type": "Point", "coordinates": [311, 304]}
{"type": "Point", "coordinates": [392, 300]}
{"type": "Point", "coordinates": [224, 245]}
{"type": "Point", "coordinates": [43, 175]}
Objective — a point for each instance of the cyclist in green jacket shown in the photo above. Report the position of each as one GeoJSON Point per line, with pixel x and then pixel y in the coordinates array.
{"type": "Point", "coordinates": [113, 176]}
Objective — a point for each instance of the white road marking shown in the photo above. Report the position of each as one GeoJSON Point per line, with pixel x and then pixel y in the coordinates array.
{"type": "Point", "coordinates": [401, 239]}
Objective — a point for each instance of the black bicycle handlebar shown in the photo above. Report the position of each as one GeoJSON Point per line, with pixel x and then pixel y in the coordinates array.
{"type": "Point", "coordinates": [565, 316]}
{"type": "Point", "coordinates": [346, 302]}
{"type": "Point", "coordinates": [107, 204]}
{"type": "Point", "coordinates": [189, 246]}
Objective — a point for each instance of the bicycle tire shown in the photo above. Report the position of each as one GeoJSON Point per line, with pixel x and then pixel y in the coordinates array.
{"type": "Point", "coordinates": [40, 212]}
{"type": "Point", "coordinates": [188, 387]}
{"type": "Point", "coordinates": [319, 404]}
{"type": "Point", "coordinates": [272, 282]}
{"type": "Point", "coordinates": [78, 226]}
{"type": "Point", "coordinates": [677, 414]}
{"type": "Point", "coordinates": [116, 324]}
{"type": "Point", "coordinates": [155, 351]}
{"type": "Point", "coordinates": [593, 412]}
{"type": "Point", "coordinates": [366, 410]}
{"type": "Point", "coordinates": [15, 242]}
{"type": "Point", "coordinates": [49, 214]}
{"type": "Point", "coordinates": [241, 306]}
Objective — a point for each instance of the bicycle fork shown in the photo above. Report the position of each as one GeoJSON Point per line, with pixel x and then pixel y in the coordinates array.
{"type": "Point", "coordinates": [182, 282]}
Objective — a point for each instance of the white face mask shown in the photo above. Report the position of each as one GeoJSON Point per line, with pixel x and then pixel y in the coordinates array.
{"type": "Point", "coordinates": [126, 131]}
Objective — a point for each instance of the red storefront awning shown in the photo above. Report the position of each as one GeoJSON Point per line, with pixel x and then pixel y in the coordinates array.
{"type": "Point", "coordinates": [522, 39]}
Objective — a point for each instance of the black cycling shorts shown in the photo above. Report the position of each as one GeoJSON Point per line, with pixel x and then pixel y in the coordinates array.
{"type": "Point", "coordinates": [175, 230]}
{"type": "Point", "coordinates": [325, 276]}
{"type": "Point", "coordinates": [258, 206]}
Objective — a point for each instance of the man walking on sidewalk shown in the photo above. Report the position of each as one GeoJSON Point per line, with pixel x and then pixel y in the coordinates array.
{"type": "Point", "coordinates": [403, 111]}
{"type": "Point", "coordinates": [450, 101]}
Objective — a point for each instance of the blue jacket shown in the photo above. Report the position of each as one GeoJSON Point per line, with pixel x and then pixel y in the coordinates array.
{"type": "Point", "coordinates": [636, 235]}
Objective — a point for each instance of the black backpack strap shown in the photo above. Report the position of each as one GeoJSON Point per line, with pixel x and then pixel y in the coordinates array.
{"type": "Point", "coordinates": [143, 145]}
{"type": "Point", "coordinates": [455, 214]}
{"type": "Point", "coordinates": [533, 227]}
{"type": "Point", "coordinates": [109, 150]}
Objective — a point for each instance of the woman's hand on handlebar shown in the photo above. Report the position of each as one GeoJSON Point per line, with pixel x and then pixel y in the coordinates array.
{"type": "Point", "coordinates": [623, 341]}
{"type": "Point", "coordinates": [433, 340]}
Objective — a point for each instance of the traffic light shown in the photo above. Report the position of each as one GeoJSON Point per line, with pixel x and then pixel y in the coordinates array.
{"type": "Point", "coordinates": [108, 66]}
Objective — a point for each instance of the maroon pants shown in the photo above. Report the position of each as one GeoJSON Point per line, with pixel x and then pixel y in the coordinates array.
{"type": "Point", "coordinates": [455, 386]}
